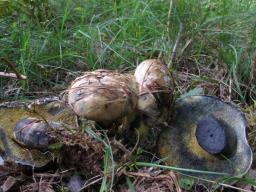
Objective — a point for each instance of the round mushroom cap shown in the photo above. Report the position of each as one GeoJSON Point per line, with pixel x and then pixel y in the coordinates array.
{"type": "Point", "coordinates": [34, 133]}
{"type": "Point", "coordinates": [155, 86]}
{"type": "Point", "coordinates": [31, 132]}
{"type": "Point", "coordinates": [206, 134]}
{"type": "Point", "coordinates": [103, 95]}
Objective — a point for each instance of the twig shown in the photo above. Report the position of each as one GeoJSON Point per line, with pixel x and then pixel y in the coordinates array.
{"type": "Point", "coordinates": [16, 74]}
{"type": "Point", "coordinates": [12, 75]}
{"type": "Point", "coordinates": [174, 50]}
{"type": "Point", "coordinates": [91, 182]}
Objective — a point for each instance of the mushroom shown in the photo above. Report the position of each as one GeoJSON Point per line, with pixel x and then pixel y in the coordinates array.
{"type": "Point", "coordinates": [206, 134]}
{"type": "Point", "coordinates": [23, 130]}
{"type": "Point", "coordinates": [34, 133]}
{"type": "Point", "coordinates": [103, 95]}
{"type": "Point", "coordinates": [155, 87]}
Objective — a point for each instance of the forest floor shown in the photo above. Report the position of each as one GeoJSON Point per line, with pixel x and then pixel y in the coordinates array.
{"type": "Point", "coordinates": [210, 47]}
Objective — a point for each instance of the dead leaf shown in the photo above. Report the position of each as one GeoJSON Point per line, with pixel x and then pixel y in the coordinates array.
{"type": "Point", "coordinates": [45, 187]}
{"type": "Point", "coordinates": [8, 184]}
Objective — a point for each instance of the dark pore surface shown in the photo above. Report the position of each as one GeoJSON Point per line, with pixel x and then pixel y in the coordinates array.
{"type": "Point", "coordinates": [211, 135]}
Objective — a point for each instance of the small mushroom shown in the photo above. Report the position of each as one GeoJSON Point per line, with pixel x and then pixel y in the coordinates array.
{"type": "Point", "coordinates": [155, 87]}
{"type": "Point", "coordinates": [34, 133]}
{"type": "Point", "coordinates": [103, 95]}
{"type": "Point", "coordinates": [23, 132]}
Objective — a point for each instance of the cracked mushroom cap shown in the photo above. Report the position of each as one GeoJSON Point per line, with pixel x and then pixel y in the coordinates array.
{"type": "Point", "coordinates": [103, 95]}
{"type": "Point", "coordinates": [206, 134]}
{"type": "Point", "coordinates": [155, 86]}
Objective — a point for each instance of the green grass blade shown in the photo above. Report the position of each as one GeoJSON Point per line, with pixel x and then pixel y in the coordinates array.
{"type": "Point", "coordinates": [144, 164]}
{"type": "Point", "coordinates": [130, 185]}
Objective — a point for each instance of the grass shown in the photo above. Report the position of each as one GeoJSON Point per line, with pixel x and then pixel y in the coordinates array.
{"type": "Point", "coordinates": [52, 42]}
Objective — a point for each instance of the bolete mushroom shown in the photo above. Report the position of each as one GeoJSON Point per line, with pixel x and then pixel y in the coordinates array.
{"type": "Point", "coordinates": [206, 134]}
{"type": "Point", "coordinates": [34, 133]}
{"type": "Point", "coordinates": [155, 87]}
{"type": "Point", "coordinates": [103, 95]}
{"type": "Point", "coordinates": [23, 137]}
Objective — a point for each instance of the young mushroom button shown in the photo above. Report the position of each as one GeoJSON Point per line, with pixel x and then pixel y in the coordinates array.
{"type": "Point", "coordinates": [155, 87]}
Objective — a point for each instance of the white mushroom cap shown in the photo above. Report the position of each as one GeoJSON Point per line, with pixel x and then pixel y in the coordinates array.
{"type": "Point", "coordinates": [103, 95]}
{"type": "Point", "coordinates": [153, 78]}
